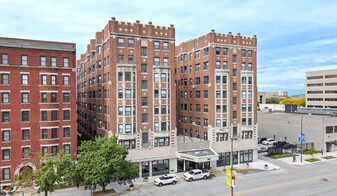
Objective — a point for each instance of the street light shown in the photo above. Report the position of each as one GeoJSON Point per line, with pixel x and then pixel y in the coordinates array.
{"type": "Point", "coordinates": [232, 138]}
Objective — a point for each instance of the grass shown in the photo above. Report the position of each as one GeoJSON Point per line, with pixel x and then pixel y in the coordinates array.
{"type": "Point", "coordinates": [280, 156]}
{"type": "Point", "coordinates": [312, 160]}
{"type": "Point", "coordinates": [308, 152]}
{"type": "Point", "coordinates": [329, 157]}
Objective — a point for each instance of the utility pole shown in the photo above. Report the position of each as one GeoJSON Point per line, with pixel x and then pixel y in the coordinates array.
{"type": "Point", "coordinates": [232, 190]}
{"type": "Point", "coordinates": [301, 137]}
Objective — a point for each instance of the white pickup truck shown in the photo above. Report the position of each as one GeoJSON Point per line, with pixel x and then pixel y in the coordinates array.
{"type": "Point", "coordinates": [196, 174]}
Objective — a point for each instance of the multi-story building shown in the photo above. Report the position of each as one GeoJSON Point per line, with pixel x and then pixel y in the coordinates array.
{"type": "Point", "coordinates": [263, 96]}
{"type": "Point", "coordinates": [38, 96]}
{"type": "Point", "coordinates": [321, 89]}
{"type": "Point", "coordinates": [125, 87]}
{"type": "Point", "coordinates": [217, 93]}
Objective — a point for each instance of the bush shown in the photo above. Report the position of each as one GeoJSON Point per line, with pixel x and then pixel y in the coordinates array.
{"type": "Point", "coordinates": [311, 151]}
{"type": "Point", "coordinates": [279, 156]}
{"type": "Point", "coordinates": [312, 160]}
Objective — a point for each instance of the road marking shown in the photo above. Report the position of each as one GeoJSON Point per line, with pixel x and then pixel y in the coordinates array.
{"type": "Point", "coordinates": [283, 185]}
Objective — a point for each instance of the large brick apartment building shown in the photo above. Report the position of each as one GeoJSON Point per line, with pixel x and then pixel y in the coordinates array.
{"type": "Point", "coordinates": [38, 96]}
{"type": "Point", "coordinates": [133, 82]}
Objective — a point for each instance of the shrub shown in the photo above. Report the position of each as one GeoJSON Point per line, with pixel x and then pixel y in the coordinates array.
{"type": "Point", "coordinates": [312, 160]}
{"type": "Point", "coordinates": [279, 156]}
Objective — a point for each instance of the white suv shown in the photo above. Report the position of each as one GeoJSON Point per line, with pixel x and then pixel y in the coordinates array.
{"type": "Point", "coordinates": [269, 141]}
{"type": "Point", "coordinates": [166, 179]}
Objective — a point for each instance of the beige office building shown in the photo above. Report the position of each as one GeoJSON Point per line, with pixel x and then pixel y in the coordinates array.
{"type": "Point", "coordinates": [321, 89]}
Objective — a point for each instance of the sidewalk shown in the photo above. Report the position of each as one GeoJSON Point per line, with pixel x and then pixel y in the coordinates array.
{"type": "Point", "coordinates": [289, 160]}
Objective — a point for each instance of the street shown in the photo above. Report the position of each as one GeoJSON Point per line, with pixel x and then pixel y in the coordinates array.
{"type": "Point", "coordinates": [314, 179]}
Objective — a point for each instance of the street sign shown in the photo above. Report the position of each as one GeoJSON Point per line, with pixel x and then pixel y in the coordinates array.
{"type": "Point", "coordinates": [303, 138]}
{"type": "Point", "coordinates": [234, 179]}
{"type": "Point", "coordinates": [228, 177]}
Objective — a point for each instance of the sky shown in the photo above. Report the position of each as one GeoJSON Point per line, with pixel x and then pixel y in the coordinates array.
{"type": "Point", "coordinates": [293, 36]}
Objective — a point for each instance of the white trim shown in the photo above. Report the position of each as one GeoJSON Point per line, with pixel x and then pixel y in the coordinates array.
{"type": "Point", "coordinates": [27, 146]}
{"type": "Point", "coordinates": [49, 109]}
{"type": "Point", "coordinates": [48, 145]}
{"type": "Point", "coordinates": [5, 91]}
{"type": "Point", "coordinates": [49, 127]}
{"type": "Point", "coordinates": [4, 148]}
{"type": "Point", "coordinates": [66, 91]}
{"type": "Point", "coordinates": [66, 74]}
{"type": "Point", "coordinates": [24, 91]}
{"type": "Point", "coordinates": [5, 110]}
{"type": "Point", "coordinates": [25, 128]}
{"type": "Point", "coordinates": [7, 72]}
{"type": "Point", "coordinates": [66, 126]}
{"type": "Point", "coordinates": [5, 129]}
{"type": "Point", "coordinates": [41, 73]}
{"type": "Point", "coordinates": [25, 109]}
{"type": "Point", "coordinates": [66, 108]}
{"type": "Point", "coordinates": [24, 73]}
{"type": "Point", "coordinates": [3, 167]}
{"type": "Point", "coordinates": [49, 91]}
{"type": "Point", "coordinates": [66, 143]}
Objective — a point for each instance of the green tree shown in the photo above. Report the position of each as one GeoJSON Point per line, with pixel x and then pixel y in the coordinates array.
{"type": "Point", "coordinates": [274, 100]}
{"type": "Point", "coordinates": [102, 161]}
{"type": "Point", "coordinates": [311, 151]}
{"type": "Point", "coordinates": [48, 174]}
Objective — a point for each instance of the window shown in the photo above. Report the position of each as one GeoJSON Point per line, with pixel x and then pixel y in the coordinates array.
{"type": "Point", "coordinates": [4, 59]}
{"type": "Point", "coordinates": [225, 65]}
{"type": "Point", "coordinates": [225, 51]}
{"type": "Point", "coordinates": [243, 52]}
{"type": "Point", "coordinates": [156, 61]}
{"type": "Point", "coordinates": [44, 116]}
{"type": "Point", "coordinates": [144, 68]}
{"type": "Point", "coordinates": [144, 118]}
{"type": "Point", "coordinates": [25, 116]}
{"type": "Point", "coordinates": [165, 46]}
{"type": "Point", "coordinates": [206, 94]}
{"type": "Point", "coordinates": [24, 60]}
{"type": "Point", "coordinates": [235, 87]}
{"type": "Point", "coordinates": [131, 59]}
{"type": "Point", "coordinates": [243, 66]}
{"type": "Point", "coordinates": [206, 50]}
{"type": "Point", "coordinates": [197, 54]}
{"type": "Point", "coordinates": [5, 79]}
{"type": "Point", "coordinates": [127, 76]}
{"type": "Point", "coordinates": [54, 115]}
{"type": "Point", "coordinates": [54, 133]}
{"type": "Point", "coordinates": [250, 67]}
{"type": "Point", "coordinates": [163, 93]}
{"type": "Point", "coordinates": [234, 72]}
{"type": "Point", "coordinates": [44, 133]}
{"type": "Point", "coordinates": [235, 114]}
{"type": "Point", "coordinates": [197, 94]}
{"type": "Point", "coordinates": [25, 134]}
{"type": "Point", "coordinates": [197, 67]}
{"type": "Point", "coordinates": [244, 108]}
{"type": "Point", "coordinates": [121, 42]}
{"type": "Point", "coordinates": [25, 152]}
{"type": "Point", "coordinates": [250, 53]}
{"type": "Point", "coordinates": [66, 97]}
{"type": "Point", "coordinates": [217, 50]}
{"type": "Point", "coordinates": [120, 93]}
{"type": "Point", "coordinates": [5, 117]}
{"type": "Point", "coordinates": [66, 114]}
{"type": "Point", "coordinates": [163, 77]}
{"type": "Point", "coordinates": [206, 81]}
{"type": "Point", "coordinates": [234, 59]}
{"type": "Point", "coordinates": [53, 61]}
{"type": "Point", "coordinates": [65, 62]}
{"type": "Point", "coordinates": [66, 148]}
{"type": "Point", "coordinates": [5, 97]}
{"type": "Point", "coordinates": [44, 151]}
{"type": "Point", "coordinates": [53, 97]}
{"type": "Point", "coordinates": [244, 94]}
{"type": "Point", "coordinates": [234, 100]}
{"type": "Point", "coordinates": [54, 150]}
{"type": "Point", "coordinates": [120, 110]}
{"type": "Point", "coordinates": [143, 52]}
{"type": "Point", "coordinates": [24, 79]}
{"type": "Point", "coordinates": [205, 66]}
{"type": "Point", "coordinates": [43, 61]}
{"type": "Point", "coordinates": [144, 101]}
{"type": "Point", "coordinates": [66, 80]}
{"type": "Point", "coordinates": [156, 45]}
{"type": "Point", "coordinates": [165, 61]}
{"type": "Point", "coordinates": [6, 136]}
{"type": "Point", "coordinates": [206, 108]}
{"type": "Point", "coordinates": [25, 98]}
{"type": "Point", "coordinates": [144, 84]}
{"type": "Point", "coordinates": [218, 65]}
{"type": "Point", "coordinates": [156, 93]}
{"type": "Point", "coordinates": [53, 80]}
{"type": "Point", "coordinates": [6, 154]}
{"type": "Point", "coordinates": [44, 98]}
{"type": "Point", "coordinates": [131, 43]}
{"type": "Point", "coordinates": [121, 59]}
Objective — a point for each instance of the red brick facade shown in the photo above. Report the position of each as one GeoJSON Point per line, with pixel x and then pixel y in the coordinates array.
{"type": "Point", "coordinates": [206, 102]}
{"type": "Point", "coordinates": [117, 88]}
{"type": "Point", "coordinates": [25, 66]}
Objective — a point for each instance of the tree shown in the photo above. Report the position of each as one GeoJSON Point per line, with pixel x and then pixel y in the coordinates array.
{"type": "Point", "coordinates": [102, 161]}
{"type": "Point", "coordinates": [311, 151]}
{"type": "Point", "coordinates": [299, 102]}
{"type": "Point", "coordinates": [48, 174]}
{"type": "Point", "coordinates": [274, 100]}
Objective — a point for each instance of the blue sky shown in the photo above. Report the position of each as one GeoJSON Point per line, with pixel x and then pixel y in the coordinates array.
{"type": "Point", "coordinates": [293, 36]}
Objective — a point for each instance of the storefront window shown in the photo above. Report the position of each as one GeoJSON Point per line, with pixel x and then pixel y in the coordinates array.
{"type": "Point", "coordinates": [160, 167]}
{"type": "Point", "coordinates": [180, 163]}
{"type": "Point", "coordinates": [246, 156]}
{"type": "Point", "coordinates": [145, 169]}
{"type": "Point", "coordinates": [221, 161]}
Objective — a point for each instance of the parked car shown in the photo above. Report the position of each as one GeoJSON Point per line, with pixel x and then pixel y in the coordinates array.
{"type": "Point", "coordinates": [279, 144]}
{"type": "Point", "coordinates": [288, 146]}
{"type": "Point", "coordinates": [263, 149]}
{"type": "Point", "coordinates": [260, 140]}
{"type": "Point", "coordinates": [196, 174]}
{"type": "Point", "coordinates": [269, 141]}
{"type": "Point", "coordinates": [166, 179]}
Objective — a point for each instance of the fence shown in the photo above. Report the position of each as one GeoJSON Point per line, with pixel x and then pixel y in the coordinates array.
{"type": "Point", "coordinates": [295, 149]}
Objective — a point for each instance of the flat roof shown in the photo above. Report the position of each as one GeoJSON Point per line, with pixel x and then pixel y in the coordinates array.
{"type": "Point", "coordinates": [199, 153]}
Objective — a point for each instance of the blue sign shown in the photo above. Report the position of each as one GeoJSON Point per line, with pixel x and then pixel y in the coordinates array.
{"type": "Point", "coordinates": [303, 138]}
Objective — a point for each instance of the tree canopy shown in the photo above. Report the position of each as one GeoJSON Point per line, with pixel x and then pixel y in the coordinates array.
{"type": "Point", "coordinates": [102, 161]}
{"type": "Point", "coordinates": [275, 100]}
{"type": "Point", "coordinates": [299, 102]}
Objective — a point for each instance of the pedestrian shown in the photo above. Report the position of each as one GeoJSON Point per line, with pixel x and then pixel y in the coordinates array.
{"type": "Point", "coordinates": [294, 158]}
{"type": "Point", "coordinates": [322, 151]}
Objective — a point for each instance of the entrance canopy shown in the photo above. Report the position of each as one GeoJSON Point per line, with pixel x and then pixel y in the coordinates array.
{"type": "Point", "coordinates": [198, 156]}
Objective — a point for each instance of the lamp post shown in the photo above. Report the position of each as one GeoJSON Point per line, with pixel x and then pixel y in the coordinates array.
{"type": "Point", "coordinates": [301, 137]}
{"type": "Point", "coordinates": [232, 159]}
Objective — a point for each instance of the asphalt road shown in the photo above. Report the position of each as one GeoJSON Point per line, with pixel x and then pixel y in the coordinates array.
{"type": "Point", "coordinates": [314, 179]}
